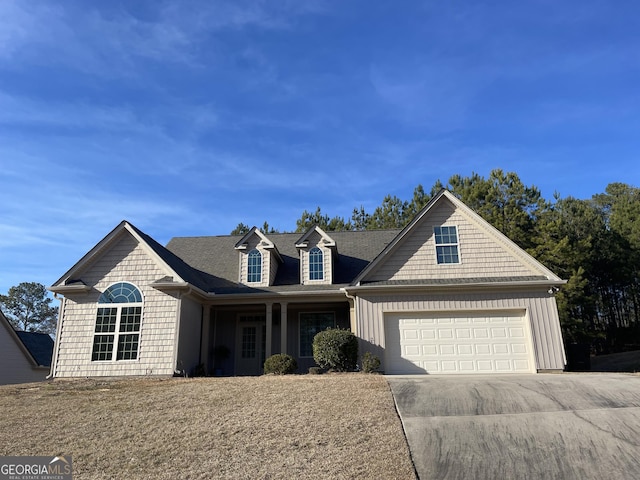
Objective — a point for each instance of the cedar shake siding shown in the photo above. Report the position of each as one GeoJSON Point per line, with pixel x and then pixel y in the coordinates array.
{"type": "Point", "coordinates": [481, 255]}
{"type": "Point", "coordinates": [126, 261]}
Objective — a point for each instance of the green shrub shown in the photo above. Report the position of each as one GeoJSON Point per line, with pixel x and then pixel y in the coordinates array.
{"type": "Point", "coordinates": [280, 364]}
{"type": "Point", "coordinates": [370, 363]}
{"type": "Point", "coordinates": [336, 349]}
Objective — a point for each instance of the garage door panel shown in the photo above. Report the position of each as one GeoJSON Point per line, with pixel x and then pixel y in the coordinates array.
{"type": "Point", "coordinates": [519, 348]}
{"type": "Point", "coordinates": [410, 334]}
{"type": "Point", "coordinates": [444, 333]}
{"type": "Point", "coordinates": [482, 343]}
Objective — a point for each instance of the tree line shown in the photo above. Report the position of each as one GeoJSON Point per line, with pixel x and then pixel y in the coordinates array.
{"type": "Point", "coordinates": [594, 244]}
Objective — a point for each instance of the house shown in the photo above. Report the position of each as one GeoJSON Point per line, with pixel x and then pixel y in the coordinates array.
{"type": "Point", "coordinates": [446, 294]}
{"type": "Point", "coordinates": [25, 356]}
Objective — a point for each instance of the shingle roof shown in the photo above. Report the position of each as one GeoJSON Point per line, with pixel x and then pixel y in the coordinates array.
{"type": "Point", "coordinates": [40, 346]}
{"type": "Point", "coordinates": [214, 260]}
{"type": "Point", "coordinates": [188, 273]}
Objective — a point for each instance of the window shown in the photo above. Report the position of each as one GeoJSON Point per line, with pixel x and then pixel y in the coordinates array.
{"type": "Point", "coordinates": [254, 266]}
{"type": "Point", "coordinates": [446, 244]}
{"type": "Point", "coordinates": [118, 325]}
{"type": "Point", "coordinates": [310, 324]}
{"type": "Point", "coordinates": [316, 264]}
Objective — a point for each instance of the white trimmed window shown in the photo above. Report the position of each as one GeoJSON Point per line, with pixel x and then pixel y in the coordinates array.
{"type": "Point", "coordinates": [254, 266]}
{"type": "Point", "coordinates": [446, 244]}
{"type": "Point", "coordinates": [310, 325]}
{"type": "Point", "coordinates": [316, 264]}
{"type": "Point", "coordinates": [118, 323]}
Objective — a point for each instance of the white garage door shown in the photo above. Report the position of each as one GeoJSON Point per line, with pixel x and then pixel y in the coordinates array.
{"type": "Point", "coordinates": [479, 342]}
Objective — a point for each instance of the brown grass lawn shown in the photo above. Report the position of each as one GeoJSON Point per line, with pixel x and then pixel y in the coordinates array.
{"type": "Point", "coordinates": [300, 426]}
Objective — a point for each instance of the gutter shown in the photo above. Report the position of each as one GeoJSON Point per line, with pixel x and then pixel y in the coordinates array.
{"type": "Point", "coordinates": [448, 286]}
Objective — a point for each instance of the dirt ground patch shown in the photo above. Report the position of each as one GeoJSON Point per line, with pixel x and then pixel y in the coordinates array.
{"type": "Point", "coordinates": [307, 426]}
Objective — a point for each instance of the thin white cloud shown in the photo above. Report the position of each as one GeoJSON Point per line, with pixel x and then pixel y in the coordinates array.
{"type": "Point", "coordinates": [110, 41]}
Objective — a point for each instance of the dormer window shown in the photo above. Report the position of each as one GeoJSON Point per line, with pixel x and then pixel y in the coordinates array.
{"type": "Point", "coordinates": [318, 252]}
{"type": "Point", "coordinates": [258, 259]}
{"type": "Point", "coordinates": [316, 264]}
{"type": "Point", "coordinates": [254, 267]}
{"type": "Point", "coordinates": [446, 245]}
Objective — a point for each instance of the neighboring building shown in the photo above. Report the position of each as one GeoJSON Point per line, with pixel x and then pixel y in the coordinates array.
{"type": "Point", "coordinates": [446, 294]}
{"type": "Point", "coordinates": [25, 356]}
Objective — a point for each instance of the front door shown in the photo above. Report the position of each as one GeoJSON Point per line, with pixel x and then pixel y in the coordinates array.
{"type": "Point", "coordinates": [250, 347]}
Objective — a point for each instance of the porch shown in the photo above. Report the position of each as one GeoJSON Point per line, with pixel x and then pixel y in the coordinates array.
{"type": "Point", "coordinates": [236, 339]}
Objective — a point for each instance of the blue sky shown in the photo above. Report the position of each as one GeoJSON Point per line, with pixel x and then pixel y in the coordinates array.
{"type": "Point", "coordinates": [189, 117]}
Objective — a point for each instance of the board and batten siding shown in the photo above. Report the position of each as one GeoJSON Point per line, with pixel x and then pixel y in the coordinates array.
{"type": "Point", "coordinates": [481, 254]}
{"type": "Point", "coordinates": [125, 261]}
{"type": "Point", "coordinates": [540, 307]}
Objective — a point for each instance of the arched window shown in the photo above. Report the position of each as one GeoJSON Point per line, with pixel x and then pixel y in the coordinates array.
{"type": "Point", "coordinates": [118, 323]}
{"type": "Point", "coordinates": [254, 266]}
{"type": "Point", "coordinates": [316, 264]}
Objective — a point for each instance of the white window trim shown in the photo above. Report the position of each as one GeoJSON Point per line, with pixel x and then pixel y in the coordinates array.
{"type": "Point", "coordinates": [457, 245]}
{"type": "Point", "coordinates": [300, 328]}
{"type": "Point", "coordinates": [116, 334]}
{"type": "Point", "coordinates": [256, 282]}
{"type": "Point", "coordinates": [324, 270]}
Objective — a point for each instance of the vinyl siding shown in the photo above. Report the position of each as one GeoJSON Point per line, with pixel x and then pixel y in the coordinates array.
{"type": "Point", "coordinates": [314, 241]}
{"type": "Point", "coordinates": [189, 335]}
{"type": "Point", "coordinates": [481, 254]}
{"type": "Point", "coordinates": [125, 261]}
{"type": "Point", "coordinates": [269, 264]}
{"type": "Point", "coordinates": [16, 367]}
{"type": "Point", "coordinates": [542, 313]}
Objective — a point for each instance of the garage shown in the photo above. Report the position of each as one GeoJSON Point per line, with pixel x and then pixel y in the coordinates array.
{"type": "Point", "coordinates": [458, 343]}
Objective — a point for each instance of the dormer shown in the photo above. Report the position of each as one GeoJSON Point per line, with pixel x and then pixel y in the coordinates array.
{"type": "Point", "coordinates": [317, 252]}
{"type": "Point", "coordinates": [258, 259]}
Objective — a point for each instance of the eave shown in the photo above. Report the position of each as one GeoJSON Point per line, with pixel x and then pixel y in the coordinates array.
{"type": "Point", "coordinates": [440, 287]}
{"type": "Point", "coordinates": [182, 287]}
{"type": "Point", "coordinates": [72, 288]}
{"type": "Point", "coordinates": [259, 297]}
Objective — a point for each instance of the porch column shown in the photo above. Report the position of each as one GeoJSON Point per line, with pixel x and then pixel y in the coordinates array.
{"type": "Point", "coordinates": [205, 340]}
{"type": "Point", "coordinates": [269, 312]}
{"type": "Point", "coordinates": [283, 328]}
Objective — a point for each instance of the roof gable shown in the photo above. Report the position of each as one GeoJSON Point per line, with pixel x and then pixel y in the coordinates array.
{"type": "Point", "coordinates": [6, 326]}
{"type": "Point", "coordinates": [263, 241]}
{"type": "Point", "coordinates": [485, 253]}
{"type": "Point", "coordinates": [326, 240]}
{"type": "Point", "coordinates": [175, 269]}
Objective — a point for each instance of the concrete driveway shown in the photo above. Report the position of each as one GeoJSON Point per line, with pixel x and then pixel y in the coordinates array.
{"type": "Point", "coordinates": [553, 426]}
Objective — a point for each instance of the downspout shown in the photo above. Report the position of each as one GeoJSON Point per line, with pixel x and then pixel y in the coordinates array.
{"type": "Point", "coordinates": [176, 346]}
{"type": "Point", "coordinates": [54, 359]}
{"type": "Point", "coordinates": [176, 336]}
{"type": "Point", "coordinates": [354, 299]}
{"type": "Point", "coordinates": [201, 332]}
